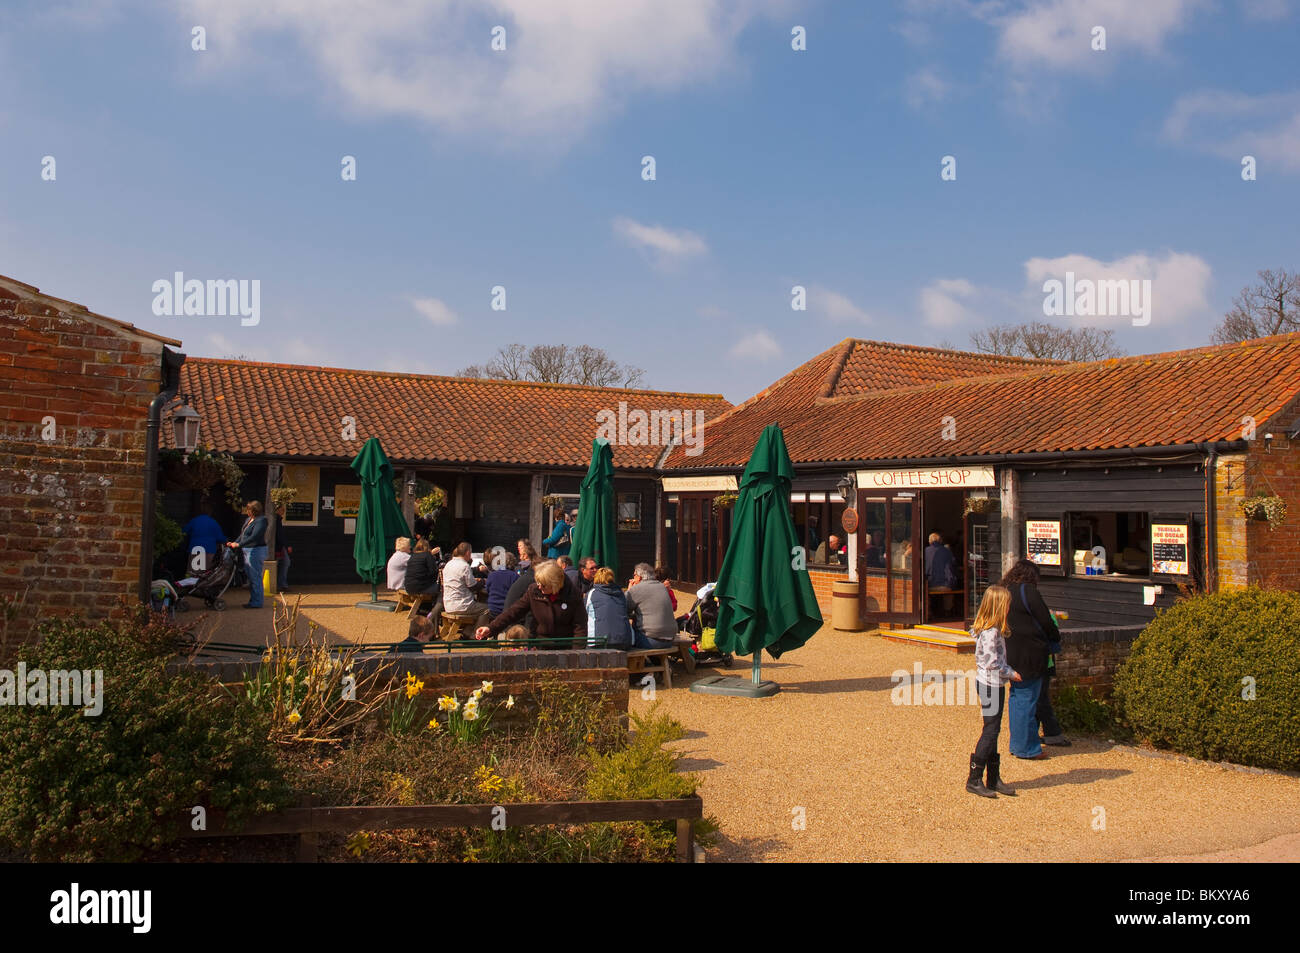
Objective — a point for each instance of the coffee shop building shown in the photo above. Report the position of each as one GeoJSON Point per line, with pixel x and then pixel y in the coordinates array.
{"type": "Point", "coordinates": [1127, 481]}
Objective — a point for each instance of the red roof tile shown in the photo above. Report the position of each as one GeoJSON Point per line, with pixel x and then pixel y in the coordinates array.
{"type": "Point", "coordinates": [286, 411]}
{"type": "Point", "coordinates": [1180, 397]}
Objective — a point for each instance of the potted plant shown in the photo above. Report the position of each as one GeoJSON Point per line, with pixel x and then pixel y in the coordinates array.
{"type": "Point", "coordinates": [1270, 509]}
{"type": "Point", "coordinates": [725, 501]}
{"type": "Point", "coordinates": [981, 504]}
{"type": "Point", "coordinates": [283, 496]}
{"type": "Point", "coordinates": [550, 501]}
{"type": "Point", "coordinates": [430, 501]}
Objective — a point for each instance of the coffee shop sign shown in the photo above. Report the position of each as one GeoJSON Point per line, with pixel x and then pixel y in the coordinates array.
{"type": "Point", "coordinates": [926, 478]}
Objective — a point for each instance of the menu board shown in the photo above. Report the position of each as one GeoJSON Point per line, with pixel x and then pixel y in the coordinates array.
{"type": "Point", "coordinates": [300, 512]}
{"type": "Point", "coordinates": [1169, 548]}
{"type": "Point", "coordinates": [347, 500]}
{"type": "Point", "coordinates": [1043, 542]}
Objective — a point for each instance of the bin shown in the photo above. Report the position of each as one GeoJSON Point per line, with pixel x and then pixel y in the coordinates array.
{"type": "Point", "coordinates": [844, 606]}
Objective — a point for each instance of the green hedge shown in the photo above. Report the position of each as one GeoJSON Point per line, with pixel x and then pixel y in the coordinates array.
{"type": "Point", "coordinates": [114, 785]}
{"type": "Point", "coordinates": [1187, 683]}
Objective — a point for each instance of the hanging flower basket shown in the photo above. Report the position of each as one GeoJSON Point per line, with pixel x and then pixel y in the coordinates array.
{"type": "Point", "coordinates": [1270, 509]}
{"type": "Point", "coordinates": [430, 502]}
{"type": "Point", "coordinates": [551, 500]}
{"type": "Point", "coordinates": [283, 495]}
{"type": "Point", "coordinates": [202, 472]}
{"type": "Point", "coordinates": [725, 501]}
{"type": "Point", "coordinates": [981, 504]}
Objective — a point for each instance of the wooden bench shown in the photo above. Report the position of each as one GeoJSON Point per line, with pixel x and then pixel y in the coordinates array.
{"type": "Point", "coordinates": [453, 624]}
{"type": "Point", "coordinates": [660, 660]}
{"type": "Point", "coordinates": [415, 602]}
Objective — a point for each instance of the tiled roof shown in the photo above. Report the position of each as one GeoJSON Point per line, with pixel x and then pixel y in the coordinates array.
{"type": "Point", "coordinates": [1180, 397]}
{"type": "Point", "coordinates": [286, 411]}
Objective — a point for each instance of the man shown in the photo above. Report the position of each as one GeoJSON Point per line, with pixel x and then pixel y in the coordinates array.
{"type": "Point", "coordinates": [939, 569]}
{"type": "Point", "coordinates": [583, 577]}
{"type": "Point", "coordinates": [459, 583]}
{"type": "Point", "coordinates": [653, 625]}
{"type": "Point", "coordinates": [829, 552]}
{"type": "Point", "coordinates": [203, 532]}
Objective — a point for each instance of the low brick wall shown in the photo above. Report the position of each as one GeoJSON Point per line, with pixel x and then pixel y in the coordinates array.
{"type": "Point", "coordinates": [823, 581]}
{"type": "Point", "coordinates": [1090, 657]}
{"type": "Point", "coordinates": [594, 672]}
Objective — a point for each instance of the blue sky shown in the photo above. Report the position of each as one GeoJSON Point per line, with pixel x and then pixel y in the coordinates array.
{"type": "Point", "coordinates": [522, 168]}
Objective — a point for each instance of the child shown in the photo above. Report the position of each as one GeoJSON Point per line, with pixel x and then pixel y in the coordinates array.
{"type": "Point", "coordinates": [991, 672]}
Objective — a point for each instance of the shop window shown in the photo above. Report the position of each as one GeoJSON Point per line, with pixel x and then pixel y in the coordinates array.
{"type": "Point", "coordinates": [817, 518]}
{"type": "Point", "coordinates": [629, 512]}
{"type": "Point", "coordinates": [1113, 545]}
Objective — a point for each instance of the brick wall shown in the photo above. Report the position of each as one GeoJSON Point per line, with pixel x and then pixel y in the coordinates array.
{"type": "Point", "coordinates": [71, 488]}
{"type": "Point", "coordinates": [822, 582]}
{"type": "Point", "coordinates": [1273, 555]}
{"type": "Point", "coordinates": [1230, 524]}
{"type": "Point", "coordinates": [1090, 658]}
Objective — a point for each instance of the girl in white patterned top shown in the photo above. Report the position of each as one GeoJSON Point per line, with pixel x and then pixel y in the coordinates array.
{"type": "Point", "coordinates": [991, 672]}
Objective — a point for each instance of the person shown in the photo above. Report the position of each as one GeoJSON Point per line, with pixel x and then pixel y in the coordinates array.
{"type": "Point", "coordinates": [459, 584]}
{"type": "Point", "coordinates": [423, 527]}
{"type": "Point", "coordinates": [653, 624]}
{"type": "Point", "coordinates": [205, 533]}
{"type": "Point", "coordinates": [607, 615]}
{"type": "Point", "coordinates": [282, 551]}
{"type": "Point", "coordinates": [557, 544]}
{"type": "Point", "coordinates": [422, 570]}
{"type": "Point", "coordinates": [830, 553]}
{"type": "Point", "coordinates": [419, 631]}
{"type": "Point", "coordinates": [252, 546]}
{"type": "Point", "coordinates": [991, 671]}
{"type": "Point", "coordinates": [440, 528]}
{"type": "Point", "coordinates": [527, 554]}
{"type": "Point", "coordinates": [551, 602]}
{"type": "Point", "coordinates": [1033, 632]}
{"type": "Point", "coordinates": [903, 558]}
{"type": "Point", "coordinates": [565, 563]}
{"type": "Point", "coordinates": [397, 563]}
{"type": "Point", "coordinates": [874, 556]}
{"type": "Point", "coordinates": [939, 572]}
{"type": "Point", "coordinates": [500, 580]}
{"type": "Point", "coordinates": [584, 576]}
{"type": "Point", "coordinates": [661, 574]}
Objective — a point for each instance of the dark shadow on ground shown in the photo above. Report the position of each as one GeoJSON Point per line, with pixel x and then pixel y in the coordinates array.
{"type": "Point", "coordinates": [876, 683]}
{"type": "Point", "coordinates": [1072, 776]}
{"type": "Point", "coordinates": [744, 849]}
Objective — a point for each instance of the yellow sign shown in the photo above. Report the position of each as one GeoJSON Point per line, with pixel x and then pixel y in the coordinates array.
{"type": "Point", "coordinates": [306, 480]}
{"type": "Point", "coordinates": [1043, 541]}
{"type": "Point", "coordinates": [1169, 548]}
{"type": "Point", "coordinates": [347, 501]}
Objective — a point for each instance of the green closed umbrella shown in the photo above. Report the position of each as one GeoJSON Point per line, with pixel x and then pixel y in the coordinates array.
{"type": "Point", "coordinates": [765, 598]}
{"type": "Point", "coordinates": [596, 533]}
{"type": "Point", "coordinates": [379, 520]}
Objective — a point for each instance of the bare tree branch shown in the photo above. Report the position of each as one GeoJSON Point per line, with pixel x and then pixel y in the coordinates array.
{"type": "Point", "coordinates": [1040, 339]}
{"type": "Point", "coordinates": [1270, 307]}
{"type": "Point", "coordinates": [557, 364]}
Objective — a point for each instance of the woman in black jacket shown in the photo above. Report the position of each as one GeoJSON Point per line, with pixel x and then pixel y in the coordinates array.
{"type": "Point", "coordinates": [1031, 628]}
{"type": "Point", "coordinates": [554, 606]}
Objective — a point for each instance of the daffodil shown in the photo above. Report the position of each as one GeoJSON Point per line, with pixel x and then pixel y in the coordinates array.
{"type": "Point", "coordinates": [434, 725]}
{"type": "Point", "coordinates": [470, 713]}
{"type": "Point", "coordinates": [294, 717]}
{"type": "Point", "coordinates": [447, 703]}
{"type": "Point", "coordinates": [510, 701]}
{"type": "Point", "coordinates": [476, 694]}
{"type": "Point", "coordinates": [487, 688]}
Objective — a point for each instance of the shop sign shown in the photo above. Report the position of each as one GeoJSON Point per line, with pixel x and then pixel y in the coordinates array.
{"type": "Point", "coordinates": [699, 483]}
{"type": "Point", "coordinates": [1169, 548]}
{"type": "Point", "coordinates": [926, 478]}
{"type": "Point", "coordinates": [347, 501]}
{"type": "Point", "coordinates": [1043, 542]}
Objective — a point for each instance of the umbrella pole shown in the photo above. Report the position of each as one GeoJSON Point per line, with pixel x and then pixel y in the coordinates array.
{"type": "Point", "coordinates": [757, 668]}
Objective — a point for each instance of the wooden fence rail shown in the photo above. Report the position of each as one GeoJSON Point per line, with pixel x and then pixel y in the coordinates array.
{"type": "Point", "coordinates": [309, 822]}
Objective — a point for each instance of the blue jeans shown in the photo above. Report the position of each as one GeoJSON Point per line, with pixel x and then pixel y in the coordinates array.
{"type": "Point", "coordinates": [1024, 718]}
{"type": "Point", "coordinates": [254, 557]}
{"type": "Point", "coordinates": [643, 641]}
{"type": "Point", "coordinates": [282, 571]}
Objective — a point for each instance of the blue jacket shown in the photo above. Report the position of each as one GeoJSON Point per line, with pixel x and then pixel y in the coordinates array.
{"type": "Point", "coordinates": [204, 531]}
{"type": "Point", "coordinates": [553, 550]}
{"type": "Point", "coordinates": [499, 582]}
{"type": "Point", "coordinates": [607, 616]}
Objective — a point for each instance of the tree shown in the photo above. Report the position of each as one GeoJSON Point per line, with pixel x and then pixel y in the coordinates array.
{"type": "Point", "coordinates": [1040, 339]}
{"type": "Point", "coordinates": [556, 364]}
{"type": "Point", "coordinates": [1270, 307]}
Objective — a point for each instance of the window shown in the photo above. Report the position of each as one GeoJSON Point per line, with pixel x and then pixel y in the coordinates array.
{"type": "Point", "coordinates": [817, 518]}
{"type": "Point", "coordinates": [629, 512]}
{"type": "Point", "coordinates": [1114, 545]}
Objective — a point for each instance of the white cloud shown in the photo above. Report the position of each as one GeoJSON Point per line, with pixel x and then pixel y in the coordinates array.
{"type": "Point", "coordinates": [941, 302]}
{"type": "Point", "coordinates": [1179, 282]}
{"type": "Point", "coordinates": [566, 64]}
{"type": "Point", "coordinates": [1233, 125]}
{"type": "Point", "coordinates": [1058, 33]}
{"type": "Point", "coordinates": [435, 310]}
{"type": "Point", "coordinates": [757, 345]}
{"type": "Point", "coordinates": [836, 306]}
{"type": "Point", "coordinates": [664, 244]}
{"type": "Point", "coordinates": [925, 87]}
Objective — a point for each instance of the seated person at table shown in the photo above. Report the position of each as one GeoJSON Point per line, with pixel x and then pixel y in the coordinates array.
{"type": "Point", "coordinates": [553, 605]}
{"type": "Point", "coordinates": [500, 580]}
{"type": "Point", "coordinates": [661, 573]}
{"type": "Point", "coordinates": [874, 556]}
{"type": "Point", "coordinates": [830, 553]}
{"type": "Point", "coordinates": [459, 583]}
{"type": "Point", "coordinates": [422, 570]}
{"type": "Point", "coordinates": [398, 562]}
{"type": "Point", "coordinates": [940, 571]}
{"type": "Point", "coordinates": [653, 624]}
{"type": "Point", "coordinates": [607, 612]}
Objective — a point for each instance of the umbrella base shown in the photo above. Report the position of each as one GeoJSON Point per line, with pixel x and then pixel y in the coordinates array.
{"type": "Point", "coordinates": [734, 685]}
{"type": "Point", "coordinates": [383, 605]}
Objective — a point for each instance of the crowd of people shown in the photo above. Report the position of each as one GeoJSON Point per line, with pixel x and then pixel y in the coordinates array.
{"type": "Point", "coordinates": [518, 595]}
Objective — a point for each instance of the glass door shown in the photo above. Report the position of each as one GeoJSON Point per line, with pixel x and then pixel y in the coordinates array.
{"type": "Point", "coordinates": [888, 544]}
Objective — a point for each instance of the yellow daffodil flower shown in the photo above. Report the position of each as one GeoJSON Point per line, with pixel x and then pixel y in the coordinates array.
{"type": "Point", "coordinates": [510, 701]}
{"type": "Point", "coordinates": [294, 717]}
{"type": "Point", "coordinates": [447, 703]}
{"type": "Point", "coordinates": [487, 688]}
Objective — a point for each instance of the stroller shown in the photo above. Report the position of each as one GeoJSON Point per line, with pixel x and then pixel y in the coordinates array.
{"type": "Point", "coordinates": [211, 585]}
{"type": "Point", "coordinates": [702, 623]}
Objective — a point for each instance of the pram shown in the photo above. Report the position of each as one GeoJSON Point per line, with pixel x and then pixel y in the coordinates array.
{"type": "Point", "coordinates": [701, 623]}
{"type": "Point", "coordinates": [211, 585]}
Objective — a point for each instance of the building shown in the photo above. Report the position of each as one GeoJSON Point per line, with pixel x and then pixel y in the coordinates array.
{"type": "Point", "coordinates": [75, 401]}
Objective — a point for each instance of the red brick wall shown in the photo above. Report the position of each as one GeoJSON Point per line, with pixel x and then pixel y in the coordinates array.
{"type": "Point", "coordinates": [70, 506]}
{"type": "Point", "coordinates": [1273, 555]}
{"type": "Point", "coordinates": [822, 580]}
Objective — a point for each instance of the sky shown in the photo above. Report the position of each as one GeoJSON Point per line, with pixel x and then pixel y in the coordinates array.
{"type": "Point", "coordinates": [208, 137]}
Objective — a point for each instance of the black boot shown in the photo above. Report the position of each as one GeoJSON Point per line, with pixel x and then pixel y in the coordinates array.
{"type": "Point", "coordinates": [995, 782]}
{"type": "Point", "coordinates": [975, 782]}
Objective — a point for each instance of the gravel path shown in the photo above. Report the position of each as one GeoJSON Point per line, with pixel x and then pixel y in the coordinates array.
{"type": "Point", "coordinates": [879, 781]}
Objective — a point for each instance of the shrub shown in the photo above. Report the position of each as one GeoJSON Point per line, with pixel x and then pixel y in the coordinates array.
{"type": "Point", "coordinates": [1079, 710]}
{"type": "Point", "coordinates": [1217, 676]}
{"type": "Point", "coordinates": [108, 787]}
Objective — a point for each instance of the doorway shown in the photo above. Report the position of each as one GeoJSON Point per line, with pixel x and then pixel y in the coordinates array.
{"type": "Point", "coordinates": [943, 513]}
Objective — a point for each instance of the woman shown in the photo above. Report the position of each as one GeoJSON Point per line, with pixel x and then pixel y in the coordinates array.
{"type": "Point", "coordinates": [607, 615]}
{"type": "Point", "coordinates": [557, 544]}
{"type": "Point", "coordinates": [553, 604]}
{"type": "Point", "coordinates": [398, 562]}
{"type": "Point", "coordinates": [1032, 628]}
{"type": "Point", "coordinates": [252, 546]}
{"type": "Point", "coordinates": [527, 554]}
{"type": "Point", "coordinates": [499, 581]}
{"type": "Point", "coordinates": [422, 570]}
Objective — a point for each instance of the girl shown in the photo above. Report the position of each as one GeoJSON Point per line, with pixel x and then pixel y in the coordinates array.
{"type": "Point", "coordinates": [991, 670]}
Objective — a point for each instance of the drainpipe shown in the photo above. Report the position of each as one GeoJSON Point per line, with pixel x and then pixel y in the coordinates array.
{"type": "Point", "coordinates": [1211, 521]}
{"type": "Point", "coordinates": [171, 375]}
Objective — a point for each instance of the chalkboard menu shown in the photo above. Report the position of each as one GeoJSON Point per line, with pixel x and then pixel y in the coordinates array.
{"type": "Point", "coordinates": [1043, 542]}
{"type": "Point", "coordinates": [1169, 548]}
{"type": "Point", "coordinates": [300, 512]}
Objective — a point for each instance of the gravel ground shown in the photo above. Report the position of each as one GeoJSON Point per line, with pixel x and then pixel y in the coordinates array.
{"type": "Point", "coordinates": [878, 781]}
